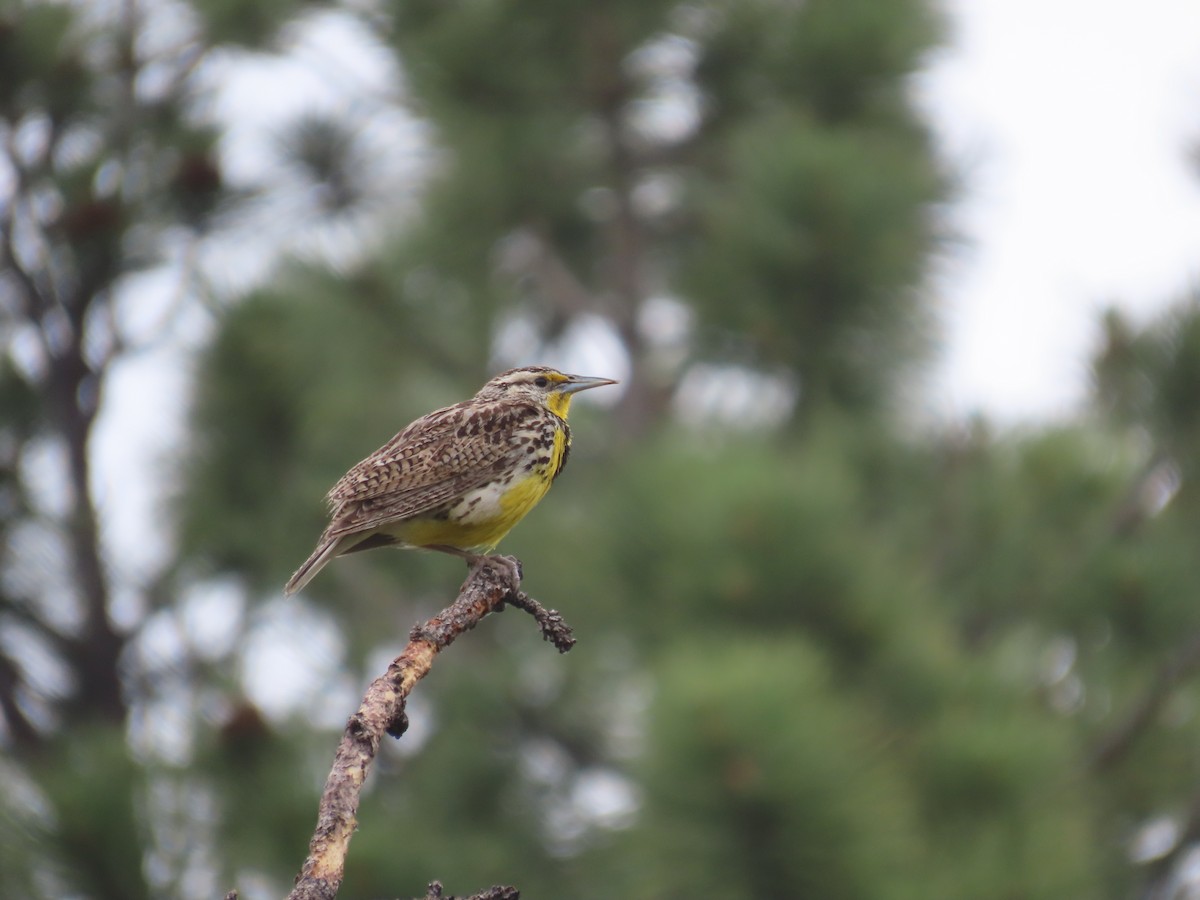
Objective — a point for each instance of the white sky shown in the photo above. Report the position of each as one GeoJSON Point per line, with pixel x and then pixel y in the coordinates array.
{"type": "Point", "coordinates": [1070, 121]}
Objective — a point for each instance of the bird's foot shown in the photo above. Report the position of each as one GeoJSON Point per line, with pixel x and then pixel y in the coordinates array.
{"type": "Point", "coordinates": [507, 566]}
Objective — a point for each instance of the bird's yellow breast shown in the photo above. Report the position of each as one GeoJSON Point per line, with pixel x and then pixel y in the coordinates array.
{"type": "Point", "coordinates": [479, 519]}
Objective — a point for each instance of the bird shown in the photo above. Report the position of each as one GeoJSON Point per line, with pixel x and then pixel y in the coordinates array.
{"type": "Point", "coordinates": [458, 479]}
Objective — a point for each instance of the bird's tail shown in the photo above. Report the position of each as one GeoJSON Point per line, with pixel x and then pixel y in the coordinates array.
{"type": "Point", "coordinates": [326, 550]}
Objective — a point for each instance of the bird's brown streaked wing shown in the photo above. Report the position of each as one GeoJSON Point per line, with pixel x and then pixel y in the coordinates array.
{"type": "Point", "coordinates": [412, 474]}
{"type": "Point", "coordinates": [414, 448]}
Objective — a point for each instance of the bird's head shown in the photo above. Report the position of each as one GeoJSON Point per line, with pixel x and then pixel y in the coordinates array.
{"type": "Point", "coordinates": [539, 384]}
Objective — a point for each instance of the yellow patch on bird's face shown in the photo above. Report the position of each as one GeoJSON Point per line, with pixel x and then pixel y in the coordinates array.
{"type": "Point", "coordinates": [559, 403]}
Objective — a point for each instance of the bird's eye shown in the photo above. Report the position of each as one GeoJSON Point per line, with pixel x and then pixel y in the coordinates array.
{"type": "Point", "coordinates": [542, 381]}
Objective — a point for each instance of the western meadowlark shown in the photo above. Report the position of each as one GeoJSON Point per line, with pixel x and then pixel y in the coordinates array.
{"type": "Point", "coordinates": [458, 479]}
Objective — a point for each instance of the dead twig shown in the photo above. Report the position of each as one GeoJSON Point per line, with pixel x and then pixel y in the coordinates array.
{"type": "Point", "coordinates": [487, 589]}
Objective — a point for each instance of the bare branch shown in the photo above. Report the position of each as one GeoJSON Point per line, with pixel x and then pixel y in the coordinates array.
{"type": "Point", "coordinates": [492, 583]}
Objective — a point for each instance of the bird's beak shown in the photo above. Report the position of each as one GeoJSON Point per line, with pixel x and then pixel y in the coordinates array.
{"type": "Point", "coordinates": [577, 383]}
